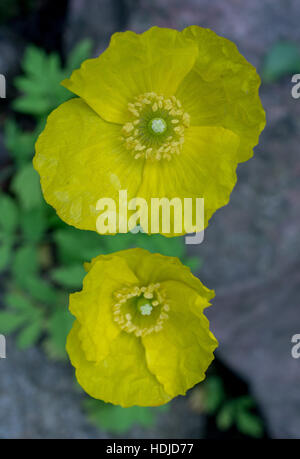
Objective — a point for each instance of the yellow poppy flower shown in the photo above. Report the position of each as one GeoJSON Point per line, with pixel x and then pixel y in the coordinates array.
{"type": "Point", "coordinates": [140, 337]}
{"type": "Point", "coordinates": [160, 114]}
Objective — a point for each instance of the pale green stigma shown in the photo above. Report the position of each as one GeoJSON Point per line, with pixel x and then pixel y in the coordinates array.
{"type": "Point", "coordinates": [146, 309]}
{"type": "Point", "coordinates": [158, 125]}
{"type": "Point", "coordinates": [144, 306]}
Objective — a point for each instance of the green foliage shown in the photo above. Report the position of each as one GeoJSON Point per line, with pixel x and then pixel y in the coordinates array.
{"type": "Point", "coordinates": [214, 394]}
{"type": "Point", "coordinates": [9, 214]}
{"type": "Point", "coordinates": [58, 327]}
{"type": "Point", "coordinates": [238, 412]}
{"type": "Point", "coordinates": [9, 217]}
{"type": "Point", "coordinates": [5, 252]}
{"type": "Point", "coordinates": [43, 73]}
{"type": "Point", "coordinates": [26, 186]}
{"type": "Point", "coordinates": [23, 316]}
{"type": "Point", "coordinates": [69, 276]}
{"type": "Point", "coordinates": [282, 59]}
{"type": "Point", "coordinates": [118, 420]}
{"type": "Point", "coordinates": [231, 411]}
{"type": "Point", "coordinates": [19, 143]}
{"type": "Point", "coordinates": [75, 246]}
{"type": "Point", "coordinates": [78, 54]}
{"type": "Point", "coordinates": [33, 224]}
{"type": "Point", "coordinates": [25, 264]}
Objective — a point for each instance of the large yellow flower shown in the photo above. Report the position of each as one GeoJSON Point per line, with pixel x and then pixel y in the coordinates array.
{"type": "Point", "coordinates": [140, 337]}
{"type": "Point", "coordinates": [161, 114]}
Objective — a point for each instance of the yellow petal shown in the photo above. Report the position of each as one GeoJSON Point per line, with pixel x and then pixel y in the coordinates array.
{"type": "Point", "coordinates": [222, 89]}
{"type": "Point", "coordinates": [80, 159]}
{"type": "Point", "coordinates": [93, 306]}
{"type": "Point", "coordinates": [122, 368]}
{"type": "Point", "coordinates": [154, 267]}
{"type": "Point", "coordinates": [206, 168]}
{"type": "Point", "coordinates": [133, 64]}
{"type": "Point", "coordinates": [122, 377]}
{"type": "Point", "coordinates": [181, 352]}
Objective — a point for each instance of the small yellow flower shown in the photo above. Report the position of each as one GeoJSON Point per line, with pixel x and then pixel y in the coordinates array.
{"type": "Point", "coordinates": [140, 337]}
{"type": "Point", "coordinates": [161, 114]}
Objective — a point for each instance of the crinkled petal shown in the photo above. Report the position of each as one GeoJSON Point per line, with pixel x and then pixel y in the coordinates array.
{"type": "Point", "coordinates": [93, 306]}
{"type": "Point", "coordinates": [122, 378]}
{"type": "Point", "coordinates": [133, 64]}
{"type": "Point", "coordinates": [223, 89]}
{"type": "Point", "coordinates": [181, 352]}
{"type": "Point", "coordinates": [154, 267]}
{"type": "Point", "coordinates": [124, 368]}
{"type": "Point", "coordinates": [205, 168]}
{"type": "Point", "coordinates": [80, 159]}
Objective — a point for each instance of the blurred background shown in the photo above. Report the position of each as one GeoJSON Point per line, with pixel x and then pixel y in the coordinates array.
{"type": "Point", "coordinates": [250, 253]}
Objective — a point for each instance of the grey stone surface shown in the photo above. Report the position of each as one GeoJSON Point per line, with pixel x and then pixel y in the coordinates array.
{"type": "Point", "coordinates": [38, 399]}
{"type": "Point", "coordinates": [251, 257]}
{"type": "Point", "coordinates": [94, 19]}
{"type": "Point", "coordinates": [254, 25]}
{"type": "Point", "coordinates": [11, 49]}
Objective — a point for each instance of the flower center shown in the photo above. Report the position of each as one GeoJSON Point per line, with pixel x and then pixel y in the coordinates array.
{"type": "Point", "coordinates": [140, 310]}
{"type": "Point", "coordinates": [158, 125]}
{"type": "Point", "coordinates": [156, 129]}
{"type": "Point", "coordinates": [144, 306]}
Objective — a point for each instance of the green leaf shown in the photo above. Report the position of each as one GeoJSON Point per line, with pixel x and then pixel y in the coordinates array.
{"type": "Point", "coordinates": [29, 335]}
{"type": "Point", "coordinates": [5, 254]}
{"type": "Point", "coordinates": [41, 290]}
{"type": "Point", "coordinates": [25, 271]}
{"type": "Point", "coordinates": [9, 214]}
{"type": "Point", "coordinates": [214, 394]}
{"type": "Point", "coordinates": [244, 403]}
{"type": "Point", "coordinates": [34, 224]}
{"type": "Point", "coordinates": [58, 327]}
{"type": "Point", "coordinates": [33, 105]}
{"type": "Point", "coordinates": [118, 242]}
{"type": "Point", "coordinates": [79, 53]}
{"type": "Point", "coordinates": [78, 246]}
{"type": "Point", "coordinates": [26, 185]}
{"type": "Point", "coordinates": [282, 59]}
{"type": "Point", "coordinates": [225, 417]}
{"type": "Point", "coordinates": [70, 276]}
{"type": "Point", "coordinates": [40, 83]}
{"type": "Point", "coordinates": [249, 424]}
{"type": "Point", "coordinates": [19, 143]}
{"type": "Point", "coordinates": [20, 302]}
{"type": "Point", "coordinates": [34, 59]}
{"type": "Point", "coordinates": [193, 263]}
{"type": "Point", "coordinates": [25, 264]}
{"type": "Point", "coordinates": [9, 322]}
{"type": "Point", "coordinates": [172, 247]}
{"type": "Point", "coordinates": [117, 419]}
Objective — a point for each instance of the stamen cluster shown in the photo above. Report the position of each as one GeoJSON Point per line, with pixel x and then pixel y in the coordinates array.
{"type": "Point", "coordinates": [131, 314]}
{"type": "Point", "coordinates": [142, 139]}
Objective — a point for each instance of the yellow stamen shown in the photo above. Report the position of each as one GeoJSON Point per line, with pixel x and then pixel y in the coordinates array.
{"type": "Point", "coordinates": [148, 297]}
{"type": "Point", "coordinates": [170, 113]}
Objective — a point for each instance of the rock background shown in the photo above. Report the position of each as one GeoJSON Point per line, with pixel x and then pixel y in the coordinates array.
{"type": "Point", "coordinates": [250, 251]}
